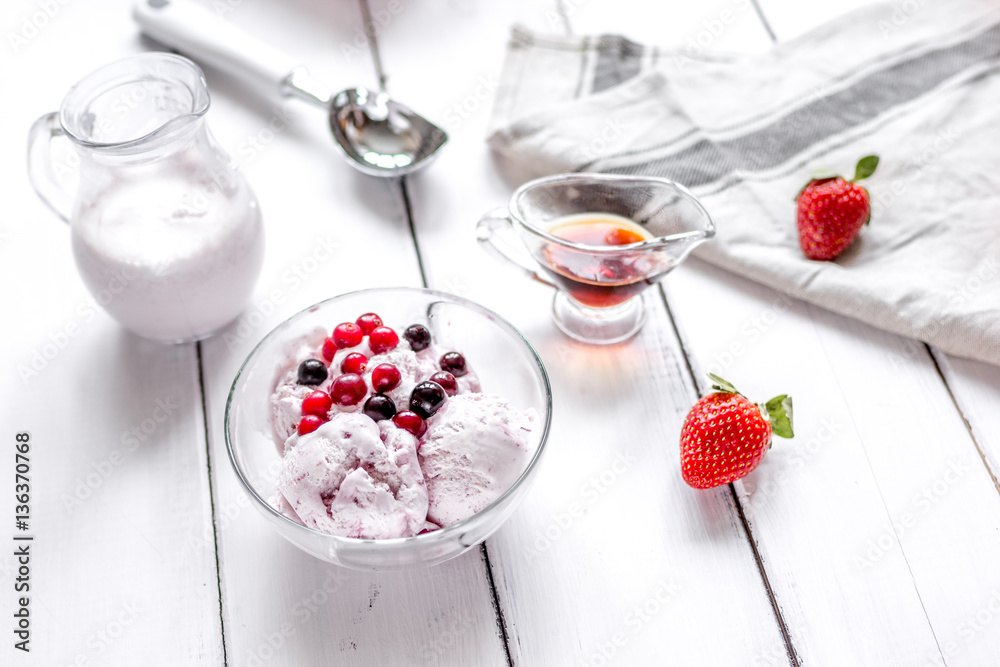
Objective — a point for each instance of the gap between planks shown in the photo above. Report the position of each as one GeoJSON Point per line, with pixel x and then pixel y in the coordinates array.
{"type": "Point", "coordinates": [933, 353]}
{"type": "Point", "coordinates": [211, 500]}
{"type": "Point", "coordinates": [778, 617]}
{"type": "Point", "coordinates": [408, 210]}
{"type": "Point", "coordinates": [682, 346]}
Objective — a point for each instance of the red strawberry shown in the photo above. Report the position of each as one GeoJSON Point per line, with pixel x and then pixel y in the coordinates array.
{"type": "Point", "coordinates": [831, 212]}
{"type": "Point", "coordinates": [725, 436]}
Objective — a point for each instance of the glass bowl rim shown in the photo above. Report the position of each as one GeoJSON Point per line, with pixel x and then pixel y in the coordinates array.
{"type": "Point", "coordinates": [514, 211]}
{"type": "Point", "coordinates": [425, 537]}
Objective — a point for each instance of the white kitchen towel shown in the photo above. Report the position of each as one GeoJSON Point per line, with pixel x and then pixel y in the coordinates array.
{"type": "Point", "coordinates": [916, 82]}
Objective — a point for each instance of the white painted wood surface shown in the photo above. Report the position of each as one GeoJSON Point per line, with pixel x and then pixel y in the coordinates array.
{"type": "Point", "coordinates": [280, 606]}
{"type": "Point", "coordinates": [119, 477]}
{"type": "Point", "coordinates": [611, 538]}
{"type": "Point", "coordinates": [882, 461]}
{"type": "Point", "coordinates": [647, 571]}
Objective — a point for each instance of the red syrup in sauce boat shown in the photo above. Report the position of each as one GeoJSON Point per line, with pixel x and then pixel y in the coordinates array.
{"type": "Point", "coordinates": [598, 279]}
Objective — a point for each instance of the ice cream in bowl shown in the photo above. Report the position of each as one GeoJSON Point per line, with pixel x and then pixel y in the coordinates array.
{"type": "Point", "coordinates": [389, 428]}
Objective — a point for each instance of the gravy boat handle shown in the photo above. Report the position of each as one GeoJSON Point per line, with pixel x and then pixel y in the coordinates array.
{"type": "Point", "coordinates": [495, 233]}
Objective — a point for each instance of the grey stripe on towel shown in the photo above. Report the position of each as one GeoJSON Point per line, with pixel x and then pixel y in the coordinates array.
{"type": "Point", "coordinates": [707, 161]}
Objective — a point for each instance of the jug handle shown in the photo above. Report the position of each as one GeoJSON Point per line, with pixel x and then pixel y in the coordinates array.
{"type": "Point", "coordinates": [40, 172]}
{"type": "Point", "coordinates": [493, 231]}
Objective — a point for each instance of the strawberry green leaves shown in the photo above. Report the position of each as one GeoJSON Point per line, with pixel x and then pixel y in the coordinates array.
{"type": "Point", "coordinates": [865, 168]}
{"type": "Point", "coordinates": [778, 411]}
{"type": "Point", "coordinates": [718, 384]}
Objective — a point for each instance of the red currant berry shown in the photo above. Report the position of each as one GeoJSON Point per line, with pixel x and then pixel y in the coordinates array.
{"type": "Point", "coordinates": [368, 322]}
{"type": "Point", "coordinates": [382, 339]}
{"type": "Point", "coordinates": [310, 423]}
{"type": "Point", "coordinates": [446, 380]}
{"type": "Point", "coordinates": [410, 421]}
{"type": "Point", "coordinates": [348, 389]}
{"type": "Point", "coordinates": [385, 377]}
{"type": "Point", "coordinates": [454, 363]}
{"type": "Point", "coordinates": [317, 403]}
{"type": "Point", "coordinates": [347, 334]}
{"type": "Point", "coordinates": [329, 349]}
{"type": "Point", "coordinates": [355, 362]}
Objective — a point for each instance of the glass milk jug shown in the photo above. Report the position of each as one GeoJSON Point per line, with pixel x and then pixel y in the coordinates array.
{"type": "Point", "coordinates": [166, 234]}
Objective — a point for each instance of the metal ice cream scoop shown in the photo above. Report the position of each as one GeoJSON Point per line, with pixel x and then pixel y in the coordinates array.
{"type": "Point", "coordinates": [380, 136]}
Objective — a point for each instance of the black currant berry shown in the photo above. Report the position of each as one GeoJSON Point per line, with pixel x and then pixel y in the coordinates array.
{"type": "Point", "coordinates": [312, 372]}
{"type": "Point", "coordinates": [418, 336]}
{"type": "Point", "coordinates": [427, 398]}
{"type": "Point", "coordinates": [380, 407]}
{"type": "Point", "coordinates": [454, 363]}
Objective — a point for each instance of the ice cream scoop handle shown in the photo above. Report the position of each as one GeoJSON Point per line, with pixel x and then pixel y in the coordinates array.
{"type": "Point", "coordinates": [495, 233]}
{"type": "Point", "coordinates": [207, 38]}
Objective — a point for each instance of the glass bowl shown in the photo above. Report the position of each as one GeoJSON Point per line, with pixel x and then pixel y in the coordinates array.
{"type": "Point", "coordinates": [505, 362]}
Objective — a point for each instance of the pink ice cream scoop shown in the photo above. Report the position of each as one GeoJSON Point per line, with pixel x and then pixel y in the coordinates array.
{"type": "Point", "coordinates": [353, 472]}
{"type": "Point", "coordinates": [286, 400]}
{"type": "Point", "coordinates": [355, 478]}
{"type": "Point", "coordinates": [475, 448]}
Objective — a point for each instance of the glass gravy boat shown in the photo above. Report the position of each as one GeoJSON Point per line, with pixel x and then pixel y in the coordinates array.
{"type": "Point", "coordinates": [599, 286]}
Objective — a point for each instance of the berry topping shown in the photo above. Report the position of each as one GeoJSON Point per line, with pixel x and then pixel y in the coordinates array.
{"type": "Point", "coordinates": [355, 362]}
{"type": "Point", "coordinates": [368, 322]}
{"type": "Point", "coordinates": [317, 403]}
{"type": "Point", "coordinates": [385, 377]}
{"type": "Point", "coordinates": [427, 398]}
{"type": "Point", "coordinates": [347, 334]}
{"type": "Point", "coordinates": [348, 389]}
{"type": "Point", "coordinates": [418, 336]}
{"type": "Point", "coordinates": [382, 339]}
{"type": "Point", "coordinates": [454, 363]}
{"type": "Point", "coordinates": [329, 349]}
{"type": "Point", "coordinates": [380, 407]}
{"type": "Point", "coordinates": [410, 421]}
{"type": "Point", "coordinates": [446, 380]}
{"type": "Point", "coordinates": [310, 423]}
{"type": "Point", "coordinates": [312, 372]}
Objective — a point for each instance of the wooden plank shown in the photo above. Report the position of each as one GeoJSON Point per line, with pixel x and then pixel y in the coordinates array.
{"type": "Point", "coordinates": [939, 499]}
{"type": "Point", "coordinates": [118, 460]}
{"type": "Point", "coordinates": [880, 492]}
{"type": "Point", "coordinates": [331, 230]}
{"type": "Point", "coordinates": [719, 26]}
{"type": "Point", "coordinates": [612, 557]}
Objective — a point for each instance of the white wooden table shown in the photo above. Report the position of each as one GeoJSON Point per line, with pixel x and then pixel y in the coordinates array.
{"type": "Point", "coordinates": [873, 538]}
